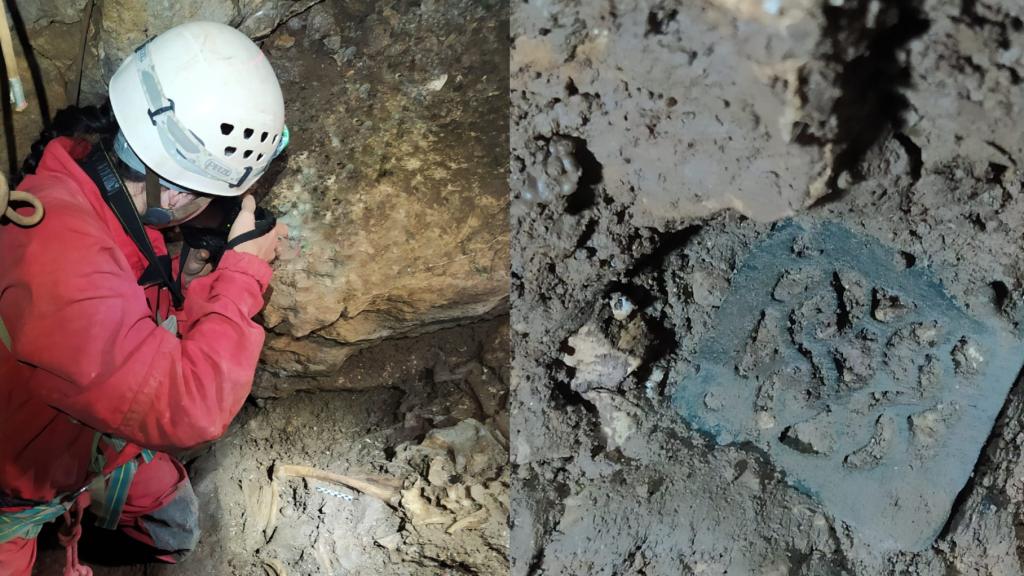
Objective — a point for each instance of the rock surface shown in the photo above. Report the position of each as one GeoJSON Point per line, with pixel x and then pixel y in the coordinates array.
{"type": "Point", "coordinates": [395, 186]}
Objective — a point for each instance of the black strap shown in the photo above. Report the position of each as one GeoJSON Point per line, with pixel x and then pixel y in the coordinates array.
{"type": "Point", "coordinates": [154, 274]}
{"type": "Point", "coordinates": [152, 189]}
{"type": "Point", "coordinates": [182, 260]}
{"type": "Point", "coordinates": [244, 237]}
{"type": "Point", "coordinates": [100, 168]}
{"type": "Point", "coordinates": [264, 222]}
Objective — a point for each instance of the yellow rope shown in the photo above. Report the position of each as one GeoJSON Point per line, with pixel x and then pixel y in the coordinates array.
{"type": "Point", "coordinates": [7, 196]}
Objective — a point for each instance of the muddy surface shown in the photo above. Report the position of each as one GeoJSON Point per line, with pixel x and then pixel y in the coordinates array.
{"type": "Point", "coordinates": [435, 441]}
{"type": "Point", "coordinates": [890, 121]}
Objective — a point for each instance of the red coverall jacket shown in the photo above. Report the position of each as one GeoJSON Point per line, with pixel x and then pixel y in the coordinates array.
{"type": "Point", "coordinates": [87, 353]}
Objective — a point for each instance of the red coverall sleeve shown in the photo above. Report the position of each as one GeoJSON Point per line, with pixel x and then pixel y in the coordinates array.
{"type": "Point", "coordinates": [79, 315]}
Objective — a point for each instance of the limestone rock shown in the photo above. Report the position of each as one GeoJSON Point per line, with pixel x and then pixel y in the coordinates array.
{"type": "Point", "coordinates": [129, 23]}
{"type": "Point", "coordinates": [396, 198]}
{"type": "Point", "coordinates": [44, 12]}
{"type": "Point", "coordinates": [310, 357]}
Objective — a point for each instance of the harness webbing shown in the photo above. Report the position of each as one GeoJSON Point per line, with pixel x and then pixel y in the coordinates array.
{"type": "Point", "coordinates": [118, 483]}
{"type": "Point", "coordinates": [99, 167]}
{"type": "Point", "coordinates": [27, 523]}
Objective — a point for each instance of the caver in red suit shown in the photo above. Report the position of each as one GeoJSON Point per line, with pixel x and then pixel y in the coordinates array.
{"type": "Point", "coordinates": [87, 356]}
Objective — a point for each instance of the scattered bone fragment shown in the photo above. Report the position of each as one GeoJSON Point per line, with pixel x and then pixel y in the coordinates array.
{"type": "Point", "coordinates": [635, 338]}
{"type": "Point", "coordinates": [558, 175]}
{"type": "Point", "coordinates": [273, 503]}
{"type": "Point", "coordinates": [852, 293]}
{"type": "Point", "coordinates": [855, 362]}
{"type": "Point", "coordinates": [619, 417]}
{"type": "Point", "coordinates": [930, 374]}
{"type": "Point", "coordinates": [713, 400]}
{"type": "Point", "coordinates": [794, 282]}
{"type": "Point", "coordinates": [440, 471]}
{"type": "Point", "coordinates": [928, 426]}
{"type": "Point", "coordinates": [472, 446]}
{"type": "Point", "coordinates": [391, 541]}
{"type": "Point", "coordinates": [763, 347]}
{"type": "Point", "coordinates": [597, 362]}
{"type": "Point", "coordinates": [385, 489]}
{"type": "Point", "coordinates": [419, 510]}
{"type": "Point", "coordinates": [926, 333]}
{"type": "Point", "coordinates": [474, 520]}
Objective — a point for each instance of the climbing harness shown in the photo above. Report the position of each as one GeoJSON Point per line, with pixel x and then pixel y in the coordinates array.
{"type": "Point", "coordinates": [115, 490]}
{"type": "Point", "coordinates": [110, 491]}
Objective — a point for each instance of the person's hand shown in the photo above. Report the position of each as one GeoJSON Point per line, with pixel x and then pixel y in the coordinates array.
{"type": "Point", "coordinates": [196, 265]}
{"type": "Point", "coordinates": [264, 247]}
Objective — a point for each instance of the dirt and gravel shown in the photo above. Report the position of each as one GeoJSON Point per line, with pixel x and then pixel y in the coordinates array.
{"type": "Point", "coordinates": [766, 288]}
{"type": "Point", "coordinates": [431, 441]}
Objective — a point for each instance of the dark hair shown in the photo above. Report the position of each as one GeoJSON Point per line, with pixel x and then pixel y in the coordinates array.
{"type": "Point", "coordinates": [97, 122]}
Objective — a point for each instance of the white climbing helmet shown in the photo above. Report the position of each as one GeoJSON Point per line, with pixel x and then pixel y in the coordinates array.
{"type": "Point", "coordinates": [200, 105]}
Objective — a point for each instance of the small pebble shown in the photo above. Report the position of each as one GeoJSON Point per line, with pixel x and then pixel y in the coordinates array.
{"type": "Point", "coordinates": [284, 41]}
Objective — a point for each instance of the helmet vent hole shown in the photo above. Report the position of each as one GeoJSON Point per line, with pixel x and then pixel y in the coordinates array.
{"type": "Point", "coordinates": [259, 157]}
{"type": "Point", "coordinates": [226, 128]}
{"type": "Point", "coordinates": [263, 137]}
{"type": "Point", "coordinates": [230, 150]}
{"type": "Point", "coordinates": [274, 141]}
{"type": "Point", "coordinates": [248, 133]}
{"type": "Point", "coordinates": [247, 154]}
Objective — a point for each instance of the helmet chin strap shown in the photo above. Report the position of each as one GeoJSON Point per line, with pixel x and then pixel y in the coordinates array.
{"type": "Point", "coordinates": [157, 215]}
